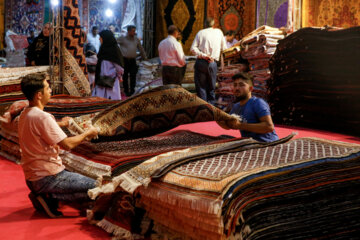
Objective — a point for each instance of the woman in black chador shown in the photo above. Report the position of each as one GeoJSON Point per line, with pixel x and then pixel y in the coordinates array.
{"type": "Point", "coordinates": [38, 51]}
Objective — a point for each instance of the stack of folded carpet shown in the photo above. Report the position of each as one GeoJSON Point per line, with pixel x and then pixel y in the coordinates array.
{"type": "Point", "coordinates": [188, 81]}
{"type": "Point", "coordinates": [315, 80]}
{"type": "Point", "coordinates": [232, 54]}
{"type": "Point", "coordinates": [149, 75]}
{"type": "Point", "coordinates": [258, 48]}
{"type": "Point", "coordinates": [224, 89]}
{"type": "Point", "coordinates": [60, 106]}
{"type": "Point", "coordinates": [10, 78]}
{"type": "Point", "coordinates": [244, 190]}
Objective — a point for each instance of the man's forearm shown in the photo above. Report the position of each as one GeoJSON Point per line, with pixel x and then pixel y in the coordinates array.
{"type": "Point", "coordinates": [262, 127]}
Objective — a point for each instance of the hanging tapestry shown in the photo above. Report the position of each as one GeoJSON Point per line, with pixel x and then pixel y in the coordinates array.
{"type": "Point", "coordinates": [22, 18]}
{"type": "Point", "coordinates": [74, 39]}
{"type": "Point", "coordinates": [338, 13]}
{"type": "Point", "coordinates": [272, 13]}
{"type": "Point", "coordinates": [235, 15]}
{"type": "Point", "coordinates": [187, 15]}
{"type": "Point", "coordinates": [85, 15]}
{"type": "Point", "coordinates": [75, 80]}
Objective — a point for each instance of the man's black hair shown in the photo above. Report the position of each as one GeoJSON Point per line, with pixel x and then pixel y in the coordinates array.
{"type": "Point", "coordinates": [230, 33]}
{"type": "Point", "coordinates": [130, 27]}
{"type": "Point", "coordinates": [244, 76]}
{"type": "Point", "coordinates": [31, 84]}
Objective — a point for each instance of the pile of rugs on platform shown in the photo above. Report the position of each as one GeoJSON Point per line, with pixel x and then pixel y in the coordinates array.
{"type": "Point", "coordinates": [60, 106]}
{"type": "Point", "coordinates": [138, 117]}
{"type": "Point", "coordinates": [315, 79]}
{"type": "Point", "coordinates": [149, 75]}
{"type": "Point", "coordinates": [257, 48]}
{"type": "Point", "coordinates": [185, 185]}
{"type": "Point", "coordinates": [224, 91]}
{"type": "Point", "coordinates": [240, 189]}
{"type": "Point", "coordinates": [10, 78]}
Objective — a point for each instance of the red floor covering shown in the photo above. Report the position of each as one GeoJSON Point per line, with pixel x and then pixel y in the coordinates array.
{"type": "Point", "coordinates": [18, 219]}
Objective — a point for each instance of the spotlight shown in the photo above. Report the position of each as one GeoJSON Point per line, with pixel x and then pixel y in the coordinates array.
{"type": "Point", "coordinates": [108, 13]}
{"type": "Point", "coordinates": [112, 1]}
{"type": "Point", "coordinates": [55, 2]}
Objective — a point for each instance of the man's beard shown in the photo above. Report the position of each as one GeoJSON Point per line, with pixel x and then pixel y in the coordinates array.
{"type": "Point", "coordinates": [241, 97]}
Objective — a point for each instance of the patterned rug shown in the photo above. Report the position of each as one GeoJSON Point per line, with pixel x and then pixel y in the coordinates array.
{"type": "Point", "coordinates": [10, 78]}
{"type": "Point", "coordinates": [150, 113]}
{"type": "Point", "coordinates": [105, 159]}
{"type": "Point", "coordinates": [23, 16]}
{"type": "Point", "coordinates": [60, 106]}
{"type": "Point", "coordinates": [74, 37]}
{"type": "Point", "coordinates": [75, 80]}
{"type": "Point", "coordinates": [235, 15]}
{"type": "Point", "coordinates": [187, 15]}
{"type": "Point", "coordinates": [156, 167]}
{"type": "Point", "coordinates": [273, 13]}
{"type": "Point", "coordinates": [259, 192]}
{"type": "Point", "coordinates": [338, 13]}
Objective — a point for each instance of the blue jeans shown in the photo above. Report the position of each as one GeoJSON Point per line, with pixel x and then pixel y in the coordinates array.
{"type": "Point", "coordinates": [205, 79]}
{"type": "Point", "coordinates": [64, 186]}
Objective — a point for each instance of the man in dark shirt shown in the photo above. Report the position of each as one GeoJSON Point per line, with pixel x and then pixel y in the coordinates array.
{"type": "Point", "coordinates": [256, 121]}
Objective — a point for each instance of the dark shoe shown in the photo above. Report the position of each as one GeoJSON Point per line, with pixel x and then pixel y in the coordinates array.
{"type": "Point", "coordinates": [36, 204]}
{"type": "Point", "coordinates": [48, 206]}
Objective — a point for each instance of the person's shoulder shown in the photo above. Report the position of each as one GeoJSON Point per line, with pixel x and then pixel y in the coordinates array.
{"type": "Point", "coordinates": [259, 102]}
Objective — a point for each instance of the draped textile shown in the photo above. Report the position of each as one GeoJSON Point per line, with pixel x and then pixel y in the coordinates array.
{"type": "Point", "coordinates": [75, 80]}
{"type": "Point", "coordinates": [187, 15]}
{"type": "Point", "coordinates": [74, 39]}
{"type": "Point", "coordinates": [151, 112]}
{"type": "Point", "coordinates": [338, 13]}
{"type": "Point", "coordinates": [113, 158]}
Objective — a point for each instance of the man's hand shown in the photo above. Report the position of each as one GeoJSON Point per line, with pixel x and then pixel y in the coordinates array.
{"type": "Point", "coordinates": [91, 133]}
{"type": "Point", "coordinates": [65, 122]}
{"type": "Point", "coordinates": [230, 124]}
{"type": "Point", "coordinates": [233, 123]}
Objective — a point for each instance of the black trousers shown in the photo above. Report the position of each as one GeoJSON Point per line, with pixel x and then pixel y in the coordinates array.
{"type": "Point", "coordinates": [173, 74]}
{"type": "Point", "coordinates": [131, 68]}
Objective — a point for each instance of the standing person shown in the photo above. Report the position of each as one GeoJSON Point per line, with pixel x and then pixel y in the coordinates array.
{"type": "Point", "coordinates": [108, 74]}
{"type": "Point", "coordinates": [256, 121]}
{"type": "Point", "coordinates": [172, 57]}
{"type": "Point", "coordinates": [40, 137]}
{"type": "Point", "coordinates": [38, 51]}
{"type": "Point", "coordinates": [94, 38]}
{"type": "Point", "coordinates": [207, 46]}
{"type": "Point", "coordinates": [129, 44]}
{"type": "Point", "coordinates": [91, 61]}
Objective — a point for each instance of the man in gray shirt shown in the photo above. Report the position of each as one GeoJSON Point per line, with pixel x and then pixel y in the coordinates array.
{"type": "Point", "coordinates": [129, 45]}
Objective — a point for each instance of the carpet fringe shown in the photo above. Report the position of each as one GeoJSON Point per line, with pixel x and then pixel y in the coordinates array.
{"type": "Point", "coordinates": [119, 232]}
{"type": "Point", "coordinates": [84, 166]}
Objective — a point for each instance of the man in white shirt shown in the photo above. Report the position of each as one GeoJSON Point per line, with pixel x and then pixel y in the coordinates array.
{"type": "Point", "coordinates": [94, 38]}
{"type": "Point", "coordinates": [207, 46]}
{"type": "Point", "coordinates": [172, 57]}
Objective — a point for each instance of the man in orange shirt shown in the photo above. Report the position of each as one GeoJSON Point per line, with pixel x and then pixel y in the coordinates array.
{"type": "Point", "coordinates": [40, 138]}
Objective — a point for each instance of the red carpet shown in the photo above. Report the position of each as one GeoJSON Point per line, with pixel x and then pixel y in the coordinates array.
{"type": "Point", "coordinates": [18, 219]}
